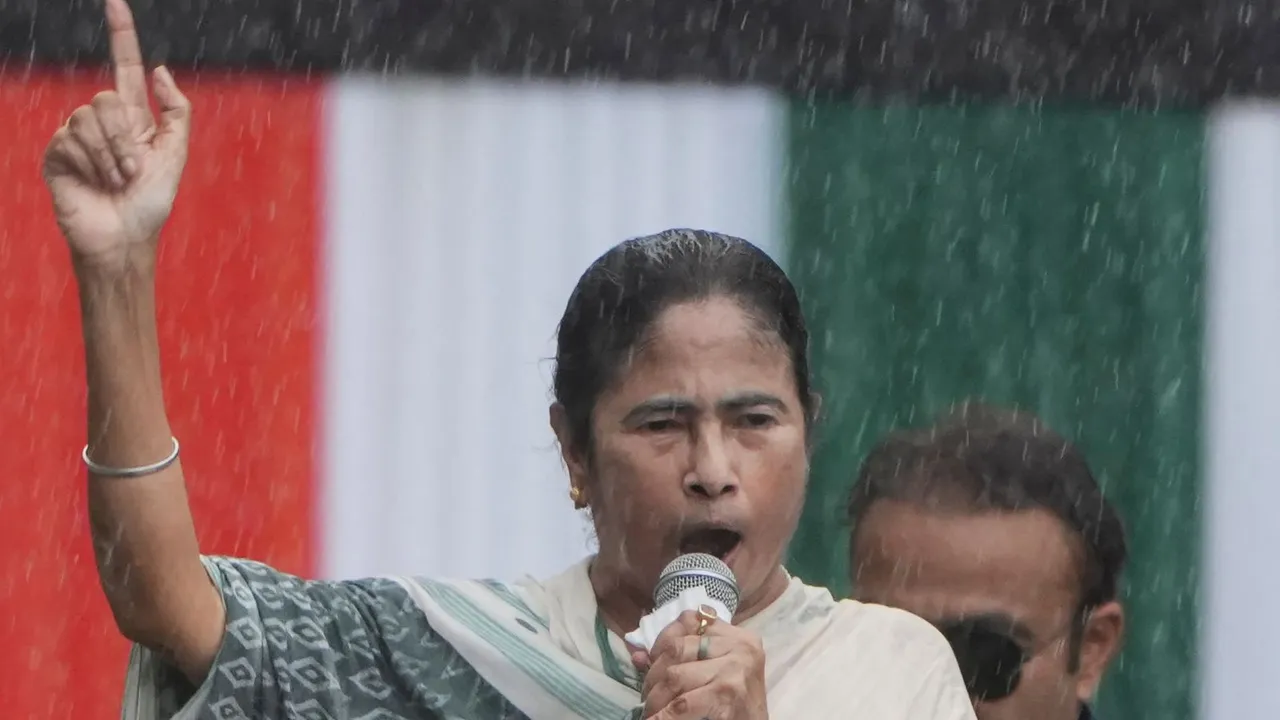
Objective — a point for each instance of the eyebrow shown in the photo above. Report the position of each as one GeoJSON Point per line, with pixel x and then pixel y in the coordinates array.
{"type": "Point", "coordinates": [682, 405]}
{"type": "Point", "coordinates": [744, 400]}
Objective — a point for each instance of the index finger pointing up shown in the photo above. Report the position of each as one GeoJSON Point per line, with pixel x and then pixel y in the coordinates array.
{"type": "Point", "coordinates": [126, 55]}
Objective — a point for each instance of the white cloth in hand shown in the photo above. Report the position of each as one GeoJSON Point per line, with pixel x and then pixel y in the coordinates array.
{"type": "Point", "coordinates": [658, 620]}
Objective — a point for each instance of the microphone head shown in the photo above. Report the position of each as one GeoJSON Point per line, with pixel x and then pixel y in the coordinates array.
{"type": "Point", "coordinates": [693, 570]}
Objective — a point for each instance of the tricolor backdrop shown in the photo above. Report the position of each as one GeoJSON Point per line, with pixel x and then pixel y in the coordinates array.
{"type": "Point", "coordinates": [360, 287]}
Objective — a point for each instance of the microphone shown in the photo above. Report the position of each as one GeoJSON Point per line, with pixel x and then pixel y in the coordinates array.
{"type": "Point", "coordinates": [698, 570]}
{"type": "Point", "coordinates": [688, 582]}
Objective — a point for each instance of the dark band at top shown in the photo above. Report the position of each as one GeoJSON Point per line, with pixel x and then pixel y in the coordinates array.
{"type": "Point", "coordinates": [1126, 52]}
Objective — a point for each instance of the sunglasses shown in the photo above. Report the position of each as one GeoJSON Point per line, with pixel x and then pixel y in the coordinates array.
{"type": "Point", "coordinates": [990, 657]}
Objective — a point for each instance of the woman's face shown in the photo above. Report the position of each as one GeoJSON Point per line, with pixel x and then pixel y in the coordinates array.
{"type": "Point", "coordinates": [699, 446]}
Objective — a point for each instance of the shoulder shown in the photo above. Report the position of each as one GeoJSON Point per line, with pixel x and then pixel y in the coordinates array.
{"type": "Point", "coordinates": [897, 633]}
{"type": "Point", "coordinates": [255, 576]}
{"type": "Point", "coordinates": [909, 653]}
{"type": "Point", "coordinates": [258, 594]}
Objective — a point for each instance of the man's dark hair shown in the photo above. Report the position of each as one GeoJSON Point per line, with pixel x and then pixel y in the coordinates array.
{"type": "Point", "coordinates": [984, 458]}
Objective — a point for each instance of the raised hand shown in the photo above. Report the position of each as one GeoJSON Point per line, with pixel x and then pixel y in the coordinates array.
{"type": "Point", "coordinates": [112, 169]}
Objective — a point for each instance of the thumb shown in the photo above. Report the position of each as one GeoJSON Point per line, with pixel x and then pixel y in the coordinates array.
{"type": "Point", "coordinates": [175, 108]}
{"type": "Point", "coordinates": [641, 660]}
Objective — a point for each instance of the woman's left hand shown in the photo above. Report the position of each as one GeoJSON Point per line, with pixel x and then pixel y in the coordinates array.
{"type": "Point", "coordinates": [727, 685]}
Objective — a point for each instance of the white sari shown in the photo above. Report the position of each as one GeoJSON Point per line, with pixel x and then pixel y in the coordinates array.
{"type": "Point", "coordinates": [540, 645]}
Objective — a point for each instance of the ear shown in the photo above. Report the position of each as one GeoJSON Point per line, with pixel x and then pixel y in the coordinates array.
{"type": "Point", "coordinates": [815, 401]}
{"type": "Point", "coordinates": [574, 461]}
{"type": "Point", "coordinates": [1099, 644]}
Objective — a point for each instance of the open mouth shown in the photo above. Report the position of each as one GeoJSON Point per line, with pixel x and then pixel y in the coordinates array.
{"type": "Point", "coordinates": [720, 542]}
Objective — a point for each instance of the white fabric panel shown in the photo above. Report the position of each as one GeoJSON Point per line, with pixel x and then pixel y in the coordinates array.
{"type": "Point", "coordinates": [1241, 628]}
{"type": "Point", "coordinates": [460, 214]}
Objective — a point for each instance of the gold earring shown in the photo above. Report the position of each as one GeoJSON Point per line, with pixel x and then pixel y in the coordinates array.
{"type": "Point", "coordinates": [575, 494]}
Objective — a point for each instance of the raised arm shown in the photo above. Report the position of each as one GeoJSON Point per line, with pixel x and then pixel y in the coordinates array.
{"type": "Point", "coordinates": [113, 172]}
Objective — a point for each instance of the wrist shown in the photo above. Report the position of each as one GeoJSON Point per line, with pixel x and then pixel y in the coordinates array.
{"type": "Point", "coordinates": [130, 265]}
{"type": "Point", "coordinates": [118, 298]}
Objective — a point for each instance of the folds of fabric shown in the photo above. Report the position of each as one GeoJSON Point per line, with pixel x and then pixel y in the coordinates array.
{"type": "Point", "coordinates": [404, 648]}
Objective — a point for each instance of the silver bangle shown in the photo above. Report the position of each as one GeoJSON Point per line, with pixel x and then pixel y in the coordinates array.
{"type": "Point", "coordinates": [104, 471]}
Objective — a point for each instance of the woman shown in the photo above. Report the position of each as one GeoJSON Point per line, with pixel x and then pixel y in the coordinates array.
{"type": "Point", "coordinates": [682, 409]}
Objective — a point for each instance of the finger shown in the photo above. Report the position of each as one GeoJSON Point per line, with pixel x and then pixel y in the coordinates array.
{"type": "Point", "coordinates": [65, 156]}
{"type": "Point", "coordinates": [685, 624]}
{"type": "Point", "coordinates": [126, 54]}
{"type": "Point", "coordinates": [677, 680]}
{"type": "Point", "coordinates": [86, 129]}
{"type": "Point", "coordinates": [681, 635]}
{"type": "Point", "coordinates": [686, 654]}
{"type": "Point", "coordinates": [691, 620]}
{"type": "Point", "coordinates": [175, 108]}
{"type": "Point", "coordinates": [703, 703]}
{"type": "Point", "coordinates": [120, 128]}
{"type": "Point", "coordinates": [690, 647]}
{"type": "Point", "coordinates": [653, 677]}
{"type": "Point", "coordinates": [640, 658]}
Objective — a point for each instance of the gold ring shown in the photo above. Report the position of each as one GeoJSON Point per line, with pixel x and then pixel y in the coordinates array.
{"type": "Point", "coordinates": [704, 647]}
{"type": "Point", "coordinates": [706, 616]}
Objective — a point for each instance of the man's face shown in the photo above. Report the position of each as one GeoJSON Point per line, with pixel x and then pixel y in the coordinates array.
{"type": "Point", "coordinates": [991, 580]}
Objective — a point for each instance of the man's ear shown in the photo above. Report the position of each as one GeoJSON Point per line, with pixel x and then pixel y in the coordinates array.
{"type": "Point", "coordinates": [1099, 644]}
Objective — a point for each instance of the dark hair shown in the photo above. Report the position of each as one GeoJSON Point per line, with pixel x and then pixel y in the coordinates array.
{"type": "Point", "coordinates": [618, 298]}
{"type": "Point", "coordinates": [982, 458]}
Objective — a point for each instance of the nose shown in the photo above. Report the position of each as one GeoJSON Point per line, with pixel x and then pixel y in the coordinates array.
{"type": "Point", "coordinates": [712, 474]}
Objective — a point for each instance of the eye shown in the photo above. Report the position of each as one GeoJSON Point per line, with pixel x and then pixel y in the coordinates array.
{"type": "Point", "coordinates": [658, 425]}
{"type": "Point", "coordinates": [757, 420]}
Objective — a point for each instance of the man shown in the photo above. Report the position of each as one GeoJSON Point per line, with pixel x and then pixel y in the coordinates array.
{"type": "Point", "coordinates": [991, 526]}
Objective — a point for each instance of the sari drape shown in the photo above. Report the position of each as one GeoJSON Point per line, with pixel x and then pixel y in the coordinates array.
{"type": "Point", "coordinates": [415, 648]}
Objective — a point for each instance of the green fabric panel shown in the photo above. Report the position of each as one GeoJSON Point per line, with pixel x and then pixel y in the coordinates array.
{"type": "Point", "coordinates": [1044, 257]}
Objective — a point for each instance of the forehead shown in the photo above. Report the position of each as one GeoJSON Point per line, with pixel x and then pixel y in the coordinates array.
{"type": "Point", "coordinates": [946, 565]}
{"type": "Point", "coordinates": [706, 346]}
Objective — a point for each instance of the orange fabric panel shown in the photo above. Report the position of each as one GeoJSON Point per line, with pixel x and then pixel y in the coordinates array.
{"type": "Point", "coordinates": [239, 268]}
